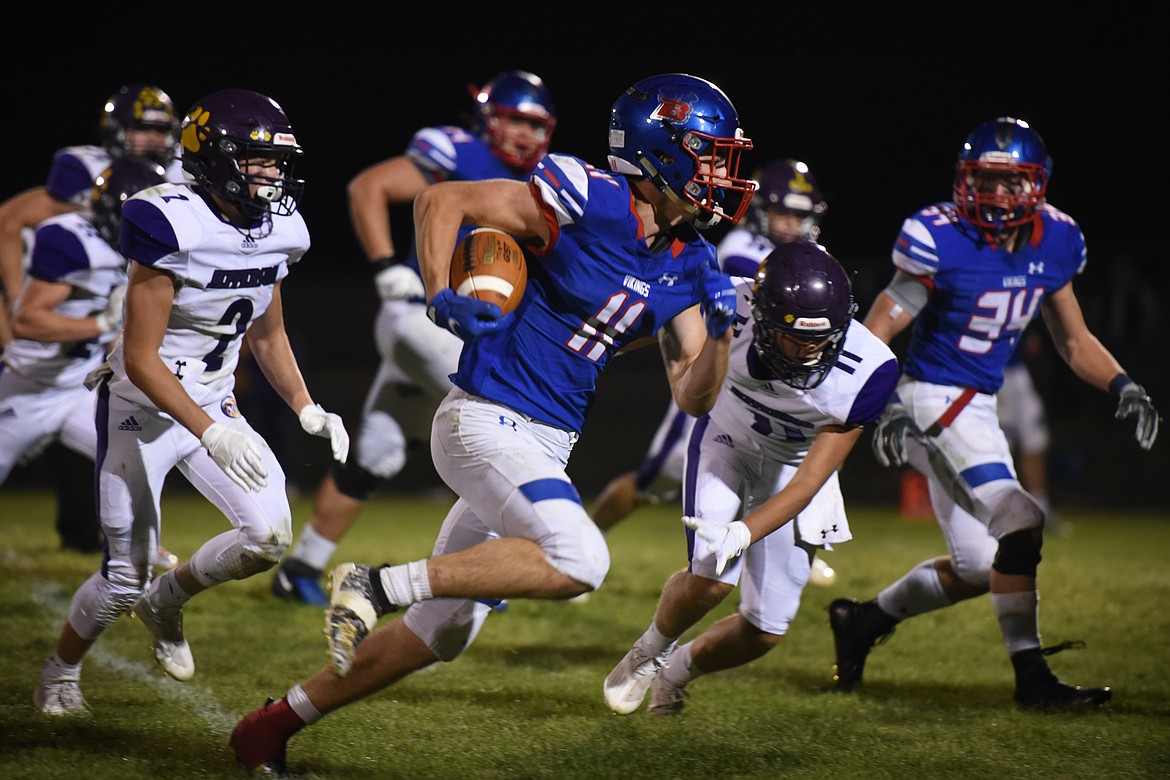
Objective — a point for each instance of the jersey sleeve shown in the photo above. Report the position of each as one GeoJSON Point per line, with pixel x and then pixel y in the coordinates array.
{"type": "Point", "coordinates": [915, 250]}
{"type": "Point", "coordinates": [56, 253]}
{"type": "Point", "coordinates": [147, 236]}
{"type": "Point", "coordinates": [68, 177]}
{"type": "Point", "coordinates": [572, 194]}
{"type": "Point", "coordinates": [875, 394]}
{"type": "Point", "coordinates": [435, 151]}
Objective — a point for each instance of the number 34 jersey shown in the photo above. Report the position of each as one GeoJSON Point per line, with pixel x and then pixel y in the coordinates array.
{"type": "Point", "coordinates": [223, 280]}
{"type": "Point", "coordinates": [982, 297]}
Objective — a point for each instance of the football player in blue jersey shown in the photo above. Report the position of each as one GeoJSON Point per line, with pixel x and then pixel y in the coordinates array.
{"type": "Point", "coordinates": [970, 275]}
{"type": "Point", "coordinates": [788, 206]}
{"type": "Point", "coordinates": [613, 256]}
{"type": "Point", "coordinates": [207, 262]}
{"type": "Point", "coordinates": [760, 493]}
{"type": "Point", "coordinates": [514, 119]}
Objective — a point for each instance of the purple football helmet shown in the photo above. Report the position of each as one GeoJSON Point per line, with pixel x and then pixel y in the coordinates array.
{"type": "Point", "coordinates": [1001, 176]}
{"type": "Point", "coordinates": [788, 186]}
{"type": "Point", "coordinates": [661, 126]}
{"type": "Point", "coordinates": [139, 106]}
{"type": "Point", "coordinates": [802, 306]}
{"type": "Point", "coordinates": [124, 177]}
{"type": "Point", "coordinates": [233, 125]}
{"type": "Point", "coordinates": [514, 93]}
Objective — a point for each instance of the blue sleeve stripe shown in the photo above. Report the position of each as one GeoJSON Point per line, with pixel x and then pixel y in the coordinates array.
{"type": "Point", "coordinates": [547, 489]}
{"type": "Point", "coordinates": [56, 253]}
{"type": "Point", "coordinates": [988, 472]}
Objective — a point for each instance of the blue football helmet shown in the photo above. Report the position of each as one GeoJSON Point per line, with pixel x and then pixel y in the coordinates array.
{"type": "Point", "coordinates": [232, 125]}
{"type": "Point", "coordinates": [514, 93]}
{"type": "Point", "coordinates": [124, 177]}
{"type": "Point", "coordinates": [788, 186]}
{"type": "Point", "coordinates": [802, 306]}
{"type": "Point", "coordinates": [137, 106]}
{"type": "Point", "coordinates": [1001, 177]}
{"type": "Point", "coordinates": [660, 127]}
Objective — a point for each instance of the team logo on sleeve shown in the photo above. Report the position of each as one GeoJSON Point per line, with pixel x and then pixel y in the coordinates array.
{"type": "Point", "coordinates": [228, 406]}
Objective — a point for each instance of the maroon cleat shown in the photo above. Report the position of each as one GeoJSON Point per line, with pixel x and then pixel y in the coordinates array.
{"type": "Point", "coordinates": [260, 739]}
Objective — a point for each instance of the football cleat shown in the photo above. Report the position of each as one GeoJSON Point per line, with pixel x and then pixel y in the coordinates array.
{"type": "Point", "coordinates": [1037, 688]}
{"type": "Point", "coordinates": [60, 697]}
{"type": "Point", "coordinates": [856, 629]}
{"type": "Point", "coordinates": [297, 581]}
{"type": "Point", "coordinates": [626, 686]}
{"type": "Point", "coordinates": [666, 698]}
{"type": "Point", "coordinates": [260, 740]}
{"type": "Point", "coordinates": [352, 613]}
{"type": "Point", "coordinates": [170, 647]}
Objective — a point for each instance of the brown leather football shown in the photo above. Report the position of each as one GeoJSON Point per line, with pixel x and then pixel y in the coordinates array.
{"type": "Point", "coordinates": [489, 265]}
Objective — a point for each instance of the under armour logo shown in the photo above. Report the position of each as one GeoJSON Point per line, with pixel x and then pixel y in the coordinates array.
{"type": "Point", "coordinates": [668, 279]}
{"type": "Point", "coordinates": [507, 422]}
{"type": "Point", "coordinates": [179, 364]}
{"type": "Point", "coordinates": [1036, 268]}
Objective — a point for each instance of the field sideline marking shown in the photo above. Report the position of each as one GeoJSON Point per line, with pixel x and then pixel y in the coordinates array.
{"type": "Point", "coordinates": [49, 596]}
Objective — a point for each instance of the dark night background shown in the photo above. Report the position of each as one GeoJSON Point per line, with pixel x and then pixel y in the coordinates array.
{"type": "Point", "coordinates": [875, 97]}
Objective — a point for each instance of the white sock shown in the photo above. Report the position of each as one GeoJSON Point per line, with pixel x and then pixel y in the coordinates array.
{"type": "Point", "coordinates": [298, 700]}
{"type": "Point", "coordinates": [919, 590]}
{"type": "Point", "coordinates": [679, 670]}
{"type": "Point", "coordinates": [406, 583]}
{"type": "Point", "coordinates": [56, 670]}
{"type": "Point", "coordinates": [1019, 619]}
{"type": "Point", "coordinates": [166, 592]}
{"type": "Point", "coordinates": [655, 641]}
{"type": "Point", "coordinates": [313, 548]}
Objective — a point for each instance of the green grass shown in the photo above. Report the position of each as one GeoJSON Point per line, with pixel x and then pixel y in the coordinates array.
{"type": "Point", "coordinates": [525, 700]}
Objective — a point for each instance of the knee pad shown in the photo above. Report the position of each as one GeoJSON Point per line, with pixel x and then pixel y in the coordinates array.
{"type": "Point", "coordinates": [353, 481]}
{"type": "Point", "coordinates": [1011, 508]}
{"type": "Point", "coordinates": [100, 601]}
{"type": "Point", "coordinates": [234, 556]}
{"type": "Point", "coordinates": [1019, 553]}
{"type": "Point", "coordinates": [381, 445]}
{"type": "Point", "coordinates": [446, 626]}
{"type": "Point", "coordinates": [571, 541]}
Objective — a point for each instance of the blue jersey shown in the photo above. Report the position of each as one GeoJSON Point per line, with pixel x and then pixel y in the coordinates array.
{"type": "Point", "coordinates": [455, 154]}
{"type": "Point", "coordinates": [982, 297]}
{"type": "Point", "coordinates": [595, 288]}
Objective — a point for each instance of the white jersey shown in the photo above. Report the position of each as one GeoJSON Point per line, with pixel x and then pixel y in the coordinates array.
{"type": "Point", "coordinates": [741, 251]}
{"type": "Point", "coordinates": [69, 250]}
{"type": "Point", "coordinates": [75, 168]}
{"type": "Point", "coordinates": [781, 420]}
{"type": "Point", "coordinates": [224, 280]}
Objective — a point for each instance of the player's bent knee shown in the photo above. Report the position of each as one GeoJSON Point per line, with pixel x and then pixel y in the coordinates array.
{"type": "Point", "coordinates": [1019, 553]}
{"type": "Point", "coordinates": [585, 562]}
{"type": "Point", "coordinates": [354, 481]}
{"type": "Point", "coordinates": [381, 446]}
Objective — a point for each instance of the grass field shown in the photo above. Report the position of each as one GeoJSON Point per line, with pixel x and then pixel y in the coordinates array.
{"type": "Point", "coordinates": [525, 700]}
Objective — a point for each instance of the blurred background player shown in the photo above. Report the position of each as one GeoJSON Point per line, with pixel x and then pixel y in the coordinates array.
{"type": "Point", "coordinates": [970, 275]}
{"type": "Point", "coordinates": [513, 123]}
{"type": "Point", "coordinates": [68, 314]}
{"type": "Point", "coordinates": [207, 262]}
{"type": "Point", "coordinates": [788, 206]}
{"type": "Point", "coordinates": [137, 120]}
{"type": "Point", "coordinates": [761, 493]}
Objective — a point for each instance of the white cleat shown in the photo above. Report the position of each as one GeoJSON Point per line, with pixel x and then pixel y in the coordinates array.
{"type": "Point", "coordinates": [822, 574]}
{"type": "Point", "coordinates": [170, 648]}
{"type": "Point", "coordinates": [165, 560]}
{"type": "Point", "coordinates": [351, 615]}
{"type": "Point", "coordinates": [627, 684]}
{"type": "Point", "coordinates": [60, 697]}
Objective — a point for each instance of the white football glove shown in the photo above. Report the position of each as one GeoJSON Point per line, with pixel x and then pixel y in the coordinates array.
{"type": "Point", "coordinates": [327, 425]}
{"type": "Point", "coordinates": [399, 283]}
{"type": "Point", "coordinates": [237, 454]}
{"type": "Point", "coordinates": [110, 318]}
{"type": "Point", "coordinates": [724, 542]}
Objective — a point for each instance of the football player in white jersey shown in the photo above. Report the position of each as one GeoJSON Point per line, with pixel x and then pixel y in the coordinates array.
{"type": "Point", "coordinates": [513, 127]}
{"type": "Point", "coordinates": [137, 120]}
{"type": "Point", "coordinates": [68, 313]}
{"type": "Point", "coordinates": [788, 206]}
{"type": "Point", "coordinates": [760, 492]}
{"type": "Point", "coordinates": [206, 265]}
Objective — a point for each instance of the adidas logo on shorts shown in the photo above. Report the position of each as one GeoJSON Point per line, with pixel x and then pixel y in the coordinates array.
{"type": "Point", "coordinates": [129, 424]}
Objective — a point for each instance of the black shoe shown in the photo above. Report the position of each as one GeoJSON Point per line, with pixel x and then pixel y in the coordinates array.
{"type": "Point", "coordinates": [1037, 688]}
{"type": "Point", "coordinates": [856, 629]}
{"type": "Point", "coordinates": [297, 581]}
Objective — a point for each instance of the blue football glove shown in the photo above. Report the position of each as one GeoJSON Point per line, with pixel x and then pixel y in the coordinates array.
{"type": "Point", "coordinates": [466, 317]}
{"type": "Point", "coordinates": [718, 302]}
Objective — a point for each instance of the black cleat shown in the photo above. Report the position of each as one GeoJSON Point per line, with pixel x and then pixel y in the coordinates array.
{"type": "Point", "coordinates": [856, 629]}
{"type": "Point", "coordinates": [1037, 688]}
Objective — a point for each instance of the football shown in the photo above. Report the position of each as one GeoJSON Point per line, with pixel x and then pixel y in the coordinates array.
{"type": "Point", "coordinates": [489, 265]}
